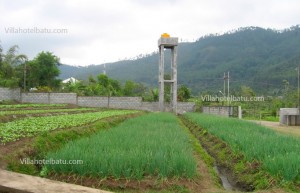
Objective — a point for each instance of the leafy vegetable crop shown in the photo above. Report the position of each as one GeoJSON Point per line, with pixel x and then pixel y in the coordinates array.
{"type": "Point", "coordinates": [12, 131]}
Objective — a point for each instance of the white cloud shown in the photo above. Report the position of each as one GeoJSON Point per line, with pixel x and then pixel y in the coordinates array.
{"type": "Point", "coordinates": [104, 31]}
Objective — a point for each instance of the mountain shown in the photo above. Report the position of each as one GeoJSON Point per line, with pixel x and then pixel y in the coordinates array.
{"type": "Point", "coordinates": [256, 57]}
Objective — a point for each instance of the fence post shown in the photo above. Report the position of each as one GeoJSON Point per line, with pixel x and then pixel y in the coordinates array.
{"type": "Point", "coordinates": [240, 112]}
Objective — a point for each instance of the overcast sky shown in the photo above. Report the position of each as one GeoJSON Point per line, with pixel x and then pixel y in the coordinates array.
{"type": "Point", "coordinates": [98, 31]}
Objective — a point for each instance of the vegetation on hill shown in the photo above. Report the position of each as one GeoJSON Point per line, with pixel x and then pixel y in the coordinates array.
{"type": "Point", "coordinates": [256, 57]}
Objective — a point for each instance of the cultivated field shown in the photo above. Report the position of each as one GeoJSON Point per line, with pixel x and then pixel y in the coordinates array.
{"type": "Point", "coordinates": [133, 151]}
{"type": "Point", "coordinates": [279, 154]}
{"type": "Point", "coordinates": [150, 145]}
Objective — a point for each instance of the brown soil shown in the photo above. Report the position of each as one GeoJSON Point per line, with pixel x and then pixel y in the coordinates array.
{"type": "Point", "coordinates": [292, 130]}
{"type": "Point", "coordinates": [200, 184]}
{"type": "Point", "coordinates": [10, 148]}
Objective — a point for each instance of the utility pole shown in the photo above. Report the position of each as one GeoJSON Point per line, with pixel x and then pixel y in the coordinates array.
{"type": "Point", "coordinates": [228, 88]}
{"type": "Point", "coordinates": [298, 91]}
{"type": "Point", "coordinates": [104, 70]}
{"type": "Point", "coordinates": [224, 91]}
{"type": "Point", "coordinates": [226, 77]}
{"type": "Point", "coordinates": [25, 75]}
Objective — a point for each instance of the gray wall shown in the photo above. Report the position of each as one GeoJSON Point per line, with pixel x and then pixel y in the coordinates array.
{"type": "Point", "coordinates": [72, 98]}
{"type": "Point", "coordinates": [51, 98]}
{"type": "Point", "coordinates": [111, 102]}
{"type": "Point", "coordinates": [227, 111]}
{"type": "Point", "coordinates": [289, 116]}
{"type": "Point", "coordinates": [10, 94]}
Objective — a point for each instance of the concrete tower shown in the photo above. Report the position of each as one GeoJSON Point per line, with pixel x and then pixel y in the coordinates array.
{"type": "Point", "coordinates": [167, 42]}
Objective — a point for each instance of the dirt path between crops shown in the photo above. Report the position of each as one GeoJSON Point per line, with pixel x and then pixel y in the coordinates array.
{"type": "Point", "coordinates": [11, 147]}
{"type": "Point", "coordinates": [15, 182]}
{"type": "Point", "coordinates": [292, 130]}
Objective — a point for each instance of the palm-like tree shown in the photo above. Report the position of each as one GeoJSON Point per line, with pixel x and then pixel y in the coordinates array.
{"type": "Point", "coordinates": [8, 65]}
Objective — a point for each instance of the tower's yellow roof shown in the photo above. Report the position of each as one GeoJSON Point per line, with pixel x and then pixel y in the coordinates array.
{"type": "Point", "coordinates": [165, 35]}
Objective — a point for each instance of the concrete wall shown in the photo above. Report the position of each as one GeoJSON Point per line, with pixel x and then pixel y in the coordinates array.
{"type": "Point", "coordinates": [227, 111]}
{"type": "Point", "coordinates": [10, 94]}
{"type": "Point", "coordinates": [111, 102]}
{"type": "Point", "coordinates": [289, 116]}
{"type": "Point", "coordinates": [72, 98]}
{"type": "Point", "coordinates": [92, 101]}
{"type": "Point", "coordinates": [35, 98]}
{"type": "Point", "coordinates": [149, 106]}
{"type": "Point", "coordinates": [222, 110]}
{"type": "Point", "coordinates": [51, 98]}
{"type": "Point", "coordinates": [125, 102]}
{"type": "Point", "coordinates": [185, 107]}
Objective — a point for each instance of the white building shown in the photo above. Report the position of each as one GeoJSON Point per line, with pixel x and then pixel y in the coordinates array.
{"type": "Point", "coordinates": [71, 80]}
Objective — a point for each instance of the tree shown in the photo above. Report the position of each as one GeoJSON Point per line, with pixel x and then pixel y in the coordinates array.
{"type": "Point", "coordinates": [246, 91]}
{"type": "Point", "coordinates": [12, 57]}
{"type": "Point", "coordinates": [110, 86]}
{"type": "Point", "coordinates": [103, 80]}
{"type": "Point", "coordinates": [129, 88]}
{"type": "Point", "coordinates": [184, 93]}
{"type": "Point", "coordinates": [132, 88]}
{"type": "Point", "coordinates": [10, 65]}
{"type": "Point", "coordinates": [43, 70]}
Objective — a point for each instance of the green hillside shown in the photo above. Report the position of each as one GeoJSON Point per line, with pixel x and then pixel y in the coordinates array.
{"type": "Point", "coordinates": [256, 57]}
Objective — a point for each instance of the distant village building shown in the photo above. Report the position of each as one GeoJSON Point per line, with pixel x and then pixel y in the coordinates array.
{"type": "Point", "coordinates": [71, 80]}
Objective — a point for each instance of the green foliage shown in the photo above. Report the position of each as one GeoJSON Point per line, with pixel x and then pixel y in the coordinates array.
{"type": "Point", "coordinates": [43, 71]}
{"type": "Point", "coordinates": [40, 111]}
{"type": "Point", "coordinates": [29, 105]}
{"type": "Point", "coordinates": [9, 71]}
{"type": "Point", "coordinates": [76, 87]}
{"type": "Point", "coordinates": [51, 141]}
{"type": "Point", "coordinates": [133, 89]}
{"type": "Point", "coordinates": [279, 153]}
{"type": "Point", "coordinates": [256, 57]}
{"type": "Point", "coordinates": [150, 95]}
{"type": "Point", "coordinates": [153, 144]}
{"type": "Point", "coordinates": [12, 131]}
{"type": "Point", "coordinates": [184, 93]}
{"type": "Point", "coordinates": [106, 86]}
